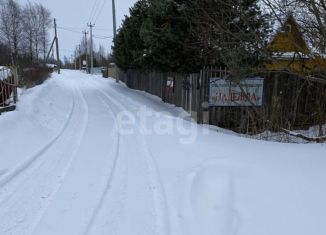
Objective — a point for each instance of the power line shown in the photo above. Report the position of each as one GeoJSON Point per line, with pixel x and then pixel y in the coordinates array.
{"type": "Point", "coordinates": [70, 30]}
{"type": "Point", "coordinates": [98, 10]}
{"type": "Point", "coordinates": [91, 16]}
{"type": "Point", "coordinates": [76, 28]}
{"type": "Point", "coordinates": [102, 29]}
{"type": "Point", "coordinates": [67, 50]}
{"type": "Point", "coordinates": [78, 32]}
{"type": "Point", "coordinates": [99, 13]}
{"type": "Point", "coordinates": [102, 37]}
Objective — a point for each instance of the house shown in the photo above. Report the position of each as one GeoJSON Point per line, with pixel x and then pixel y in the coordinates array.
{"type": "Point", "coordinates": [290, 52]}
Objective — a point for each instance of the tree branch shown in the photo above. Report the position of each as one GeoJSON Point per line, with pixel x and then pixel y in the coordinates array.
{"type": "Point", "coordinates": [319, 139]}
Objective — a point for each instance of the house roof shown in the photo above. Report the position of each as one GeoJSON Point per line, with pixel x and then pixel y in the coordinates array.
{"type": "Point", "coordinates": [289, 39]}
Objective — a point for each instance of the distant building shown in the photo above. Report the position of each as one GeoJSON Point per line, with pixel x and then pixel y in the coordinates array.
{"type": "Point", "coordinates": [112, 70]}
{"type": "Point", "coordinates": [52, 67]}
{"type": "Point", "coordinates": [290, 51]}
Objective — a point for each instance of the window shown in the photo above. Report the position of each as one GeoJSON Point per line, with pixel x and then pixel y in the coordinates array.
{"type": "Point", "coordinates": [287, 28]}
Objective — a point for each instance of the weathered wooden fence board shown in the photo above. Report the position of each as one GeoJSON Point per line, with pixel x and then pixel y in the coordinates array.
{"type": "Point", "coordinates": [288, 101]}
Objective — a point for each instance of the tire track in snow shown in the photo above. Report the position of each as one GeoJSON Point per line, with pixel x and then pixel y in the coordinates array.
{"type": "Point", "coordinates": [46, 171]}
{"type": "Point", "coordinates": [158, 192]}
{"type": "Point", "coordinates": [35, 161]}
{"type": "Point", "coordinates": [69, 165]}
{"type": "Point", "coordinates": [112, 172]}
{"type": "Point", "coordinates": [86, 181]}
{"type": "Point", "coordinates": [10, 175]}
{"type": "Point", "coordinates": [109, 181]}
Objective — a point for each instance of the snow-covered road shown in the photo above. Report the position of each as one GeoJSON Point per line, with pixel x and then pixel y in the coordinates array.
{"type": "Point", "coordinates": [84, 155]}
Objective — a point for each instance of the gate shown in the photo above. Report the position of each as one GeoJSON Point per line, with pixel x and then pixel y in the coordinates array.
{"type": "Point", "coordinates": [8, 88]}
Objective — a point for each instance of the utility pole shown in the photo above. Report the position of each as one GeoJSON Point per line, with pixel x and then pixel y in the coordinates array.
{"type": "Point", "coordinates": [114, 19]}
{"type": "Point", "coordinates": [114, 29]}
{"type": "Point", "coordinates": [86, 52]}
{"type": "Point", "coordinates": [79, 55]}
{"type": "Point", "coordinates": [91, 31]}
{"type": "Point", "coordinates": [75, 60]}
{"type": "Point", "coordinates": [57, 45]}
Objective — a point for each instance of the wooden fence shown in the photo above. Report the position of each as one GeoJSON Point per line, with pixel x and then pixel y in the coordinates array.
{"type": "Point", "coordinates": [8, 88]}
{"type": "Point", "coordinates": [289, 101]}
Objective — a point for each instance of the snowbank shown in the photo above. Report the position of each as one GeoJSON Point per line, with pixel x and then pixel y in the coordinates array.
{"type": "Point", "coordinates": [199, 180]}
{"type": "Point", "coordinates": [40, 114]}
{"type": "Point", "coordinates": [269, 136]}
{"type": "Point", "coordinates": [4, 72]}
{"type": "Point", "coordinates": [226, 184]}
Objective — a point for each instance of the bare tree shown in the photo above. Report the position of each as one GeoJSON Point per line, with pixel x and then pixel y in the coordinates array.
{"type": "Point", "coordinates": [314, 23]}
{"type": "Point", "coordinates": [36, 20]}
{"type": "Point", "coordinates": [44, 19]}
{"type": "Point", "coordinates": [231, 33]}
{"type": "Point", "coordinates": [10, 25]}
{"type": "Point", "coordinates": [311, 18]}
{"type": "Point", "coordinates": [100, 55]}
{"type": "Point", "coordinates": [29, 19]}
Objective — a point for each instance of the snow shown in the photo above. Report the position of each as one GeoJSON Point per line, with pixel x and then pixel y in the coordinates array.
{"type": "Point", "coordinates": [290, 55]}
{"type": "Point", "coordinates": [4, 72]}
{"type": "Point", "coordinates": [283, 137]}
{"type": "Point", "coordinates": [51, 66]}
{"type": "Point", "coordinates": [84, 155]}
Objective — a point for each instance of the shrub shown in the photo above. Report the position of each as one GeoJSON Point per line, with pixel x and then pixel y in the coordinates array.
{"type": "Point", "coordinates": [34, 75]}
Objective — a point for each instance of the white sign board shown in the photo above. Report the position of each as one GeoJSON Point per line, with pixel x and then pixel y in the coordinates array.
{"type": "Point", "coordinates": [84, 63]}
{"type": "Point", "coordinates": [249, 92]}
{"type": "Point", "coordinates": [170, 82]}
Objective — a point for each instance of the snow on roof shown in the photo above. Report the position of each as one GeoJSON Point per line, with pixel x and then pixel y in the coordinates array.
{"type": "Point", "coordinates": [289, 55]}
{"type": "Point", "coordinates": [4, 72]}
{"type": "Point", "coordinates": [51, 66]}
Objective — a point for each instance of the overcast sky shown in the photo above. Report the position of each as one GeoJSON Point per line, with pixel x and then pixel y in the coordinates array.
{"type": "Point", "coordinates": [75, 14]}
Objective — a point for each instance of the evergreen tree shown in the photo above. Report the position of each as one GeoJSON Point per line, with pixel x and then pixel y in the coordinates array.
{"type": "Point", "coordinates": [181, 35]}
{"type": "Point", "coordinates": [129, 50]}
{"type": "Point", "coordinates": [165, 32]}
{"type": "Point", "coordinates": [231, 33]}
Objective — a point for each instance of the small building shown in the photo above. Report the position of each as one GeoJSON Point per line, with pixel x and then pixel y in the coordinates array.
{"type": "Point", "coordinates": [112, 70]}
{"type": "Point", "coordinates": [290, 52]}
{"type": "Point", "coordinates": [52, 67]}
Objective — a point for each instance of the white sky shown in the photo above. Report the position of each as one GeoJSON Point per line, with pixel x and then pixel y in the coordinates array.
{"type": "Point", "coordinates": [75, 14]}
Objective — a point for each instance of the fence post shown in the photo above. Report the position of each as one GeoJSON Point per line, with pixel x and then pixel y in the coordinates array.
{"type": "Point", "coordinates": [1, 90]}
{"type": "Point", "coordinates": [201, 96]}
{"type": "Point", "coordinates": [204, 104]}
{"type": "Point", "coordinates": [15, 83]}
{"type": "Point", "coordinates": [274, 109]}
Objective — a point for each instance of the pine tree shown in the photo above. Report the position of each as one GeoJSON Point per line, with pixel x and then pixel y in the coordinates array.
{"type": "Point", "coordinates": [184, 36]}
{"type": "Point", "coordinates": [231, 33]}
{"type": "Point", "coordinates": [129, 50]}
{"type": "Point", "coordinates": [164, 33]}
